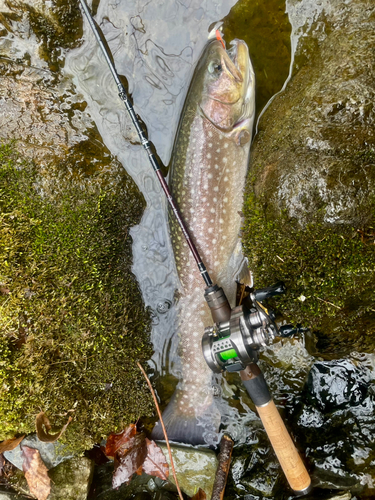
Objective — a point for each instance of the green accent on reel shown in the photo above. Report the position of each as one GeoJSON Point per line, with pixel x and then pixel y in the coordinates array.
{"type": "Point", "coordinates": [225, 355]}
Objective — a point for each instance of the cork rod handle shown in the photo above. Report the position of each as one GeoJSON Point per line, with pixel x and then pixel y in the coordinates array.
{"type": "Point", "coordinates": [285, 450]}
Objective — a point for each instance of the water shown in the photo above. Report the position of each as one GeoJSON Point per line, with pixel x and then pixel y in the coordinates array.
{"type": "Point", "coordinates": [155, 46]}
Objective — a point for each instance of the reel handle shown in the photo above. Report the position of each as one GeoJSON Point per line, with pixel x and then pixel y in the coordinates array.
{"type": "Point", "coordinates": [278, 288]}
{"type": "Point", "coordinates": [285, 450]}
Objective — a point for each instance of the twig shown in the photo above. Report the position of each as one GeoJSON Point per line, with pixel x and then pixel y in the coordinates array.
{"type": "Point", "coordinates": [330, 303]}
{"type": "Point", "coordinates": [226, 447]}
{"type": "Point", "coordinates": [163, 427]}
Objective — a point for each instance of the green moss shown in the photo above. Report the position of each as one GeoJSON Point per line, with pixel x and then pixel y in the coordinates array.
{"type": "Point", "coordinates": [329, 272]}
{"type": "Point", "coordinates": [72, 321]}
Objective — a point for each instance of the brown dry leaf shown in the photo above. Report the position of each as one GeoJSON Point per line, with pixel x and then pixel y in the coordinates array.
{"type": "Point", "coordinates": [10, 444]}
{"type": "Point", "coordinates": [129, 460]}
{"type": "Point", "coordinates": [36, 473]}
{"type": "Point", "coordinates": [155, 463]}
{"type": "Point", "coordinates": [123, 441]}
{"type": "Point", "coordinates": [200, 495]}
{"type": "Point", "coordinates": [43, 427]}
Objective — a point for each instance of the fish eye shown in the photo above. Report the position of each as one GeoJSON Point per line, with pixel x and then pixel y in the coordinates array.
{"type": "Point", "coordinates": [215, 67]}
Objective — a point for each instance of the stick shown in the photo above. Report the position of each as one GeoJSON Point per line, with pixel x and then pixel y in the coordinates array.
{"type": "Point", "coordinates": [226, 447]}
{"type": "Point", "coordinates": [163, 427]}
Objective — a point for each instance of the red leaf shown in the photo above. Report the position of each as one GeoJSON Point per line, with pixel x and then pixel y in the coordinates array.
{"type": "Point", "coordinates": [10, 444]}
{"type": "Point", "coordinates": [129, 460]}
{"type": "Point", "coordinates": [200, 495]}
{"type": "Point", "coordinates": [155, 463]}
{"type": "Point", "coordinates": [115, 442]}
{"type": "Point", "coordinates": [36, 473]}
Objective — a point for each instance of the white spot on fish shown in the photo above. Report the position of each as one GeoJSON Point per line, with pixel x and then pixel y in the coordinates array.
{"type": "Point", "coordinates": [210, 144]}
{"type": "Point", "coordinates": [216, 188]}
{"type": "Point", "coordinates": [195, 334]}
{"type": "Point", "coordinates": [226, 179]}
{"type": "Point", "coordinates": [208, 156]}
{"type": "Point", "coordinates": [209, 133]}
{"type": "Point", "coordinates": [212, 210]}
{"type": "Point", "coordinates": [214, 241]}
{"type": "Point", "coordinates": [215, 200]}
{"type": "Point", "coordinates": [216, 263]}
{"type": "Point", "coordinates": [210, 230]}
{"type": "Point", "coordinates": [225, 199]}
{"type": "Point", "coordinates": [225, 159]}
{"type": "Point", "coordinates": [217, 166]}
{"type": "Point", "coordinates": [226, 145]}
{"type": "Point", "coordinates": [209, 176]}
{"type": "Point", "coordinates": [218, 150]}
{"type": "Point", "coordinates": [221, 221]}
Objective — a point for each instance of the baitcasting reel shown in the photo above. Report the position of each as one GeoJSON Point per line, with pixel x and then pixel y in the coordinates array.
{"type": "Point", "coordinates": [233, 342]}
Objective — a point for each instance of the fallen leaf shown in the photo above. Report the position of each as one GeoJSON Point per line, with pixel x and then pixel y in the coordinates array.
{"type": "Point", "coordinates": [122, 440]}
{"type": "Point", "coordinates": [43, 427]}
{"type": "Point", "coordinates": [200, 495]}
{"type": "Point", "coordinates": [155, 463]}
{"type": "Point", "coordinates": [36, 473]}
{"type": "Point", "coordinates": [4, 290]}
{"type": "Point", "coordinates": [10, 444]}
{"type": "Point", "coordinates": [129, 460]}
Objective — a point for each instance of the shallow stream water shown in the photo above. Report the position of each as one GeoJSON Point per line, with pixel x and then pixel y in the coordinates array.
{"type": "Point", "coordinates": [155, 46]}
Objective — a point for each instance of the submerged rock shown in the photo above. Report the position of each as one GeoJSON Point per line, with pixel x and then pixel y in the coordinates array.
{"type": "Point", "coordinates": [336, 384]}
{"type": "Point", "coordinates": [194, 468]}
{"type": "Point", "coordinates": [310, 198]}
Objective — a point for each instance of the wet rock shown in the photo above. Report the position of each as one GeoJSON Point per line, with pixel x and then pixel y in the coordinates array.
{"type": "Point", "coordinates": [8, 495]}
{"type": "Point", "coordinates": [70, 480]}
{"type": "Point", "coordinates": [335, 424]}
{"type": "Point", "coordinates": [195, 468]}
{"type": "Point", "coordinates": [310, 199]}
{"type": "Point", "coordinates": [335, 384]}
{"type": "Point", "coordinates": [52, 454]}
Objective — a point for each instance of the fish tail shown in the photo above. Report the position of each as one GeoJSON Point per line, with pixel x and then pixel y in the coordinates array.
{"type": "Point", "coordinates": [187, 427]}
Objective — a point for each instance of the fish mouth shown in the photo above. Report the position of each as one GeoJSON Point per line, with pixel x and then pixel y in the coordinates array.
{"type": "Point", "coordinates": [235, 61]}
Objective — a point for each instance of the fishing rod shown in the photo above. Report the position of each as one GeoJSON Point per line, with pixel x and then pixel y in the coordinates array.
{"type": "Point", "coordinates": [233, 342]}
{"type": "Point", "coordinates": [147, 146]}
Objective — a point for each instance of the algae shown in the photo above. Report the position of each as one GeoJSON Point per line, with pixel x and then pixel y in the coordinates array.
{"type": "Point", "coordinates": [72, 322]}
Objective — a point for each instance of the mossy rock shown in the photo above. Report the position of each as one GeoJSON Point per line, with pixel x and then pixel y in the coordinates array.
{"type": "Point", "coordinates": [310, 199]}
{"type": "Point", "coordinates": [72, 322]}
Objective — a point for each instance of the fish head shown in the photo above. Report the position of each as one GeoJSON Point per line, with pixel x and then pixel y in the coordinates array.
{"type": "Point", "coordinates": [227, 84]}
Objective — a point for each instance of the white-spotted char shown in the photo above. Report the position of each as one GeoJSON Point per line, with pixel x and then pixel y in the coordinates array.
{"type": "Point", "coordinates": [207, 178]}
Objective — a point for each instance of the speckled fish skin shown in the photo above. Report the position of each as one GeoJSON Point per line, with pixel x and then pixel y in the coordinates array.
{"type": "Point", "coordinates": [207, 178]}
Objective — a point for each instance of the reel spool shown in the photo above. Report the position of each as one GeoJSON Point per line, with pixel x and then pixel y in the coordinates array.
{"type": "Point", "coordinates": [233, 344]}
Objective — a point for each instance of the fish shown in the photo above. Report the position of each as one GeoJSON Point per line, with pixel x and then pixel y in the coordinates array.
{"type": "Point", "coordinates": [207, 178]}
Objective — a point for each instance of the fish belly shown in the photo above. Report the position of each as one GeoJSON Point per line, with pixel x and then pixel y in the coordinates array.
{"type": "Point", "coordinates": [207, 180]}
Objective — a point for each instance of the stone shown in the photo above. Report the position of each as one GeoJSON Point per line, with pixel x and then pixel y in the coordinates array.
{"type": "Point", "coordinates": [310, 201]}
{"type": "Point", "coordinates": [71, 480]}
{"type": "Point", "coordinates": [195, 468]}
{"type": "Point", "coordinates": [52, 454]}
{"type": "Point", "coordinates": [336, 384]}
